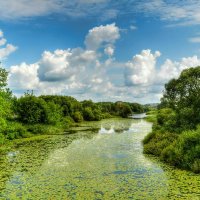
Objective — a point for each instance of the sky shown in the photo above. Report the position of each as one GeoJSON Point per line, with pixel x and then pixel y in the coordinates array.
{"type": "Point", "coordinates": [104, 50]}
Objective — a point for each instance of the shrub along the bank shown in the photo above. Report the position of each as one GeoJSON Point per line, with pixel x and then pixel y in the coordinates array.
{"type": "Point", "coordinates": [184, 152]}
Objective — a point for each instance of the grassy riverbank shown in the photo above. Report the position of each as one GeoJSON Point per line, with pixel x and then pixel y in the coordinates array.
{"type": "Point", "coordinates": [152, 116]}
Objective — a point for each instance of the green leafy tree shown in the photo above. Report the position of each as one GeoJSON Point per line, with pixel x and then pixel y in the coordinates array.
{"type": "Point", "coordinates": [31, 110]}
{"type": "Point", "coordinates": [183, 96]}
{"type": "Point", "coordinates": [97, 115]}
{"type": "Point", "coordinates": [52, 113]}
{"type": "Point", "coordinates": [125, 111]}
{"type": "Point", "coordinates": [176, 135]}
{"type": "Point", "coordinates": [88, 114]}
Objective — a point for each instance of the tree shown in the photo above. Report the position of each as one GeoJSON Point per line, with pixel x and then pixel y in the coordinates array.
{"type": "Point", "coordinates": [88, 114]}
{"type": "Point", "coordinates": [52, 113]}
{"type": "Point", "coordinates": [183, 96]}
{"type": "Point", "coordinates": [97, 115]}
{"type": "Point", "coordinates": [31, 110]}
{"type": "Point", "coordinates": [125, 110]}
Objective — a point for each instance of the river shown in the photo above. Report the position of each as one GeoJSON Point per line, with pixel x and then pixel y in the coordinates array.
{"type": "Point", "coordinates": [97, 160]}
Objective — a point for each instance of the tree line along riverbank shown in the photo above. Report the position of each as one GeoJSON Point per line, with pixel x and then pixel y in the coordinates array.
{"type": "Point", "coordinates": [30, 115]}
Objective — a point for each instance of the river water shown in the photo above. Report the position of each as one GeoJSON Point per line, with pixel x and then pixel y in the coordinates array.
{"type": "Point", "coordinates": [97, 160]}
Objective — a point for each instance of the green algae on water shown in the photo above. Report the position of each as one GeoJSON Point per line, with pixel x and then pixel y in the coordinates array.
{"type": "Point", "coordinates": [93, 164]}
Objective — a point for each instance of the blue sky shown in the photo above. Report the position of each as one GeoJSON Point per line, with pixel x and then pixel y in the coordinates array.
{"type": "Point", "coordinates": [103, 50]}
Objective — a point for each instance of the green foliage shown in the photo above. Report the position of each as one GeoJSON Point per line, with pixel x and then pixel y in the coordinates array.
{"type": "Point", "coordinates": [106, 115]}
{"type": "Point", "coordinates": [137, 108]}
{"type": "Point", "coordinates": [5, 106]}
{"type": "Point", "coordinates": [152, 115]}
{"type": "Point", "coordinates": [176, 135]}
{"type": "Point", "coordinates": [149, 137]}
{"type": "Point", "coordinates": [88, 104]}
{"type": "Point", "coordinates": [68, 104]}
{"type": "Point", "coordinates": [34, 110]}
{"type": "Point", "coordinates": [97, 115]}
{"type": "Point", "coordinates": [123, 109]}
{"type": "Point", "coordinates": [15, 130]}
{"type": "Point", "coordinates": [31, 110]}
{"type": "Point", "coordinates": [3, 125]}
{"type": "Point", "coordinates": [53, 113]}
{"type": "Point", "coordinates": [2, 138]}
{"type": "Point", "coordinates": [3, 78]}
{"type": "Point", "coordinates": [155, 142]}
{"type": "Point", "coordinates": [67, 122]}
{"type": "Point", "coordinates": [151, 118]}
{"type": "Point", "coordinates": [152, 112]}
{"type": "Point", "coordinates": [37, 129]}
{"type": "Point", "coordinates": [166, 119]}
{"type": "Point", "coordinates": [88, 114]}
{"type": "Point", "coordinates": [77, 116]}
{"type": "Point", "coordinates": [185, 151]}
{"type": "Point", "coordinates": [183, 96]}
{"type": "Point", "coordinates": [44, 129]}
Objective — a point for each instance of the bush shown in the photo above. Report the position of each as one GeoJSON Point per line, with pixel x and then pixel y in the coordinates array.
{"type": "Point", "coordinates": [3, 125]}
{"type": "Point", "coordinates": [106, 115]}
{"type": "Point", "coordinates": [2, 138]}
{"type": "Point", "coordinates": [5, 106]}
{"type": "Point", "coordinates": [15, 130]}
{"type": "Point", "coordinates": [67, 122]}
{"type": "Point", "coordinates": [123, 109]}
{"type": "Point", "coordinates": [148, 137]}
{"type": "Point", "coordinates": [34, 110]}
{"type": "Point", "coordinates": [31, 110]}
{"type": "Point", "coordinates": [44, 129]}
{"type": "Point", "coordinates": [88, 114]}
{"type": "Point", "coordinates": [151, 118]}
{"type": "Point", "coordinates": [97, 115]}
{"type": "Point", "coordinates": [155, 142]}
{"type": "Point", "coordinates": [53, 113]}
{"type": "Point", "coordinates": [185, 151]}
{"type": "Point", "coordinates": [196, 166]}
{"type": "Point", "coordinates": [77, 116]}
{"type": "Point", "coordinates": [37, 129]}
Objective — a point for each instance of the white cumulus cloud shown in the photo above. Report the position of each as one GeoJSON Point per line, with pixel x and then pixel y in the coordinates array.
{"type": "Point", "coordinates": [101, 35]}
{"type": "Point", "coordinates": [109, 50]}
{"type": "Point", "coordinates": [5, 49]}
{"type": "Point", "coordinates": [172, 69]}
{"type": "Point", "coordinates": [24, 76]}
{"type": "Point", "coordinates": [141, 69]}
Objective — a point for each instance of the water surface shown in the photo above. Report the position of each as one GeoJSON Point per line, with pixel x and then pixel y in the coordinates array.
{"type": "Point", "coordinates": [100, 160]}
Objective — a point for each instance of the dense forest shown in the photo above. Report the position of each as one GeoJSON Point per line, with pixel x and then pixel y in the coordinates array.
{"type": "Point", "coordinates": [176, 133]}
{"type": "Point", "coordinates": [30, 115]}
